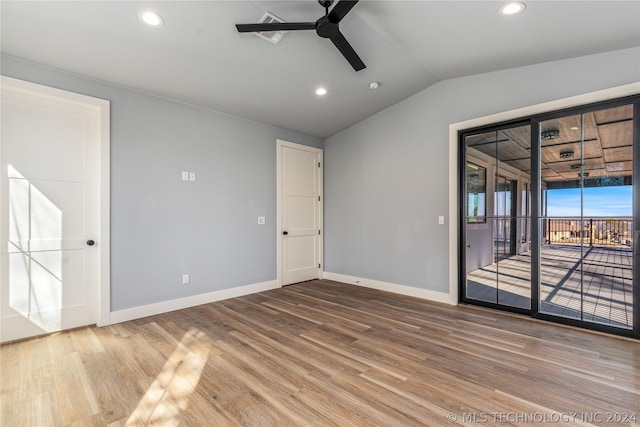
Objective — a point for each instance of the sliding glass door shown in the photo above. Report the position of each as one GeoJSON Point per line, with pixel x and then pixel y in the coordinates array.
{"type": "Point", "coordinates": [549, 216]}
{"type": "Point", "coordinates": [586, 251]}
{"type": "Point", "coordinates": [497, 261]}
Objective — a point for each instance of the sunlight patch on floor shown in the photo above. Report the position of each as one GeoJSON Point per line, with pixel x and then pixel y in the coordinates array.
{"type": "Point", "coordinates": [168, 396]}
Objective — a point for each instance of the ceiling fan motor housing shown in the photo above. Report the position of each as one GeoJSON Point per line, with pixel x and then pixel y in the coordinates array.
{"type": "Point", "coordinates": [325, 3]}
{"type": "Point", "coordinates": [325, 28]}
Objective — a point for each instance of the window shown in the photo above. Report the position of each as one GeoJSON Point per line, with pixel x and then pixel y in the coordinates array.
{"type": "Point", "coordinates": [476, 193]}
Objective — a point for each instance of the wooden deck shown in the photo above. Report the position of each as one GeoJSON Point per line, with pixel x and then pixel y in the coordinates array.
{"type": "Point", "coordinates": [321, 354]}
{"type": "Point", "coordinates": [606, 295]}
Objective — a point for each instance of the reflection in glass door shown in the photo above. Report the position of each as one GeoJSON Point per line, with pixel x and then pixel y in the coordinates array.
{"type": "Point", "coordinates": [498, 267]}
{"type": "Point", "coordinates": [586, 251]}
{"type": "Point", "coordinates": [504, 235]}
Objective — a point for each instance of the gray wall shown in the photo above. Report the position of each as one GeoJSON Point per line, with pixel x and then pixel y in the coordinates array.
{"type": "Point", "coordinates": [386, 178]}
{"type": "Point", "coordinates": [162, 227]}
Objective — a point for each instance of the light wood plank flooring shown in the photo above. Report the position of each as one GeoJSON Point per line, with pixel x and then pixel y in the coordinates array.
{"type": "Point", "coordinates": [322, 353]}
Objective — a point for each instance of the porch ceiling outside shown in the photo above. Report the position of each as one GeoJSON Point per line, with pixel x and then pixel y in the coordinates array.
{"type": "Point", "coordinates": [607, 146]}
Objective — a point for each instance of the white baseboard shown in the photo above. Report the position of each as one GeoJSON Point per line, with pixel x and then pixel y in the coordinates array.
{"type": "Point", "coordinates": [392, 287]}
{"type": "Point", "coordinates": [194, 300]}
{"type": "Point", "coordinates": [190, 301]}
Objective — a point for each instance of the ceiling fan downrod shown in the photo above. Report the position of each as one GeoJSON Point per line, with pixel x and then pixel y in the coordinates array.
{"type": "Point", "coordinates": [325, 4]}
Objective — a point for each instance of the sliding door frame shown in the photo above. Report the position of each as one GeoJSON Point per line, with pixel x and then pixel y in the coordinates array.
{"type": "Point", "coordinates": [535, 187]}
{"type": "Point", "coordinates": [462, 184]}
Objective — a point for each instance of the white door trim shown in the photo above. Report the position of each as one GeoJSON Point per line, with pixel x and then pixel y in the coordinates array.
{"type": "Point", "coordinates": [102, 108]}
{"type": "Point", "coordinates": [279, 144]}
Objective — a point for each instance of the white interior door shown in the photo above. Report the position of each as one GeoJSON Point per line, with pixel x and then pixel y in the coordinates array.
{"type": "Point", "coordinates": [49, 205]}
{"type": "Point", "coordinates": [301, 216]}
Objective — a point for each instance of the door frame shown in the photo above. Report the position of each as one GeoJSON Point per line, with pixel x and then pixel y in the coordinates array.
{"type": "Point", "coordinates": [454, 171]}
{"type": "Point", "coordinates": [102, 109]}
{"type": "Point", "coordinates": [279, 145]}
{"type": "Point", "coordinates": [627, 94]}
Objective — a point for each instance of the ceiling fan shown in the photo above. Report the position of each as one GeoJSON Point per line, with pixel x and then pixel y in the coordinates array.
{"type": "Point", "coordinates": [326, 27]}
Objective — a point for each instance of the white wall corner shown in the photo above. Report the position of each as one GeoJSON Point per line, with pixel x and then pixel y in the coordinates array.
{"type": "Point", "coordinates": [190, 301]}
{"type": "Point", "coordinates": [410, 291]}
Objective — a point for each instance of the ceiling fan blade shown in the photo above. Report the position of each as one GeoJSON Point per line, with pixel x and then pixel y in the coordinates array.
{"type": "Point", "coordinates": [341, 9]}
{"type": "Point", "coordinates": [347, 51]}
{"type": "Point", "coordinates": [275, 26]}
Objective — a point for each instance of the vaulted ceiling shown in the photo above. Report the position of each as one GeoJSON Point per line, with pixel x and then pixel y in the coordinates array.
{"type": "Point", "coordinates": [198, 57]}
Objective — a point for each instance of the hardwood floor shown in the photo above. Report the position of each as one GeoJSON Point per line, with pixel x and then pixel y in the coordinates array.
{"type": "Point", "coordinates": [322, 353]}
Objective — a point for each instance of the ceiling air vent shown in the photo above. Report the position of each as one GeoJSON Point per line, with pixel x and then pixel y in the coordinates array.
{"type": "Point", "coordinates": [272, 36]}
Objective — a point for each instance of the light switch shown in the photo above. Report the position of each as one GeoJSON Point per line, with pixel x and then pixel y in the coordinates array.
{"type": "Point", "coordinates": [185, 176]}
{"type": "Point", "coordinates": [192, 176]}
{"type": "Point", "coordinates": [441, 219]}
{"type": "Point", "coordinates": [261, 220]}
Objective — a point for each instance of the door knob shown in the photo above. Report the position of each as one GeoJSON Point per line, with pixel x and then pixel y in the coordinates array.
{"type": "Point", "coordinates": [90, 242]}
{"type": "Point", "coordinates": [285, 233]}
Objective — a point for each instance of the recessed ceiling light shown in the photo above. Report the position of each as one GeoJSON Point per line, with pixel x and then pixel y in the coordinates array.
{"type": "Point", "coordinates": [574, 128]}
{"type": "Point", "coordinates": [151, 18]}
{"type": "Point", "coordinates": [321, 91]}
{"type": "Point", "coordinates": [374, 85]}
{"type": "Point", "coordinates": [513, 8]}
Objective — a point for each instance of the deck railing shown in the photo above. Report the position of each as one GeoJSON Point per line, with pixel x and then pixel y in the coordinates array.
{"type": "Point", "coordinates": [591, 231]}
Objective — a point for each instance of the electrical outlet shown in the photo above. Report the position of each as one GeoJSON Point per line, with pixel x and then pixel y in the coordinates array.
{"type": "Point", "coordinates": [441, 219]}
{"type": "Point", "coordinates": [185, 176]}
{"type": "Point", "coordinates": [261, 220]}
{"type": "Point", "coordinates": [185, 279]}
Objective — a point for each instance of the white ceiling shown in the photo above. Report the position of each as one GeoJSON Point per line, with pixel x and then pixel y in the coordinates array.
{"type": "Point", "coordinates": [198, 57]}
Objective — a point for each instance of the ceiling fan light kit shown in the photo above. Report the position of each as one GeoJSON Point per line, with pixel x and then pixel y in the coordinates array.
{"type": "Point", "coordinates": [566, 154]}
{"type": "Point", "coordinates": [550, 134]}
{"type": "Point", "coordinates": [327, 27]}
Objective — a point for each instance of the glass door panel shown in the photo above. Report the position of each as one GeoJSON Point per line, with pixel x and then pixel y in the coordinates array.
{"type": "Point", "coordinates": [586, 250]}
{"type": "Point", "coordinates": [561, 151]}
{"type": "Point", "coordinates": [497, 257]}
{"type": "Point", "coordinates": [481, 270]}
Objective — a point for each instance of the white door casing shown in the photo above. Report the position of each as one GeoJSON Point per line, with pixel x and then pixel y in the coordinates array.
{"type": "Point", "coordinates": [299, 201]}
{"type": "Point", "coordinates": [54, 198]}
